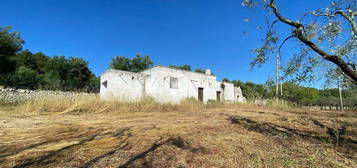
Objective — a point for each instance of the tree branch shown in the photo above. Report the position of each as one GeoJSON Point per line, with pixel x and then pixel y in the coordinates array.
{"type": "Point", "coordinates": [350, 63]}
{"type": "Point", "coordinates": [350, 19]}
{"type": "Point", "coordinates": [281, 18]}
{"type": "Point", "coordinates": [286, 39]}
{"type": "Point", "coordinates": [298, 32]}
{"type": "Point", "coordinates": [347, 77]}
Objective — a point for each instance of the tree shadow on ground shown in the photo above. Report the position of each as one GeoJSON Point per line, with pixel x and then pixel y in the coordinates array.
{"type": "Point", "coordinates": [345, 144]}
{"type": "Point", "coordinates": [178, 142]}
{"type": "Point", "coordinates": [52, 138]}
{"type": "Point", "coordinates": [48, 158]}
{"type": "Point", "coordinates": [107, 154]}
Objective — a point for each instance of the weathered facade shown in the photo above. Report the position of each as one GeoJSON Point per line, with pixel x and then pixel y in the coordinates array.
{"type": "Point", "coordinates": [166, 85]}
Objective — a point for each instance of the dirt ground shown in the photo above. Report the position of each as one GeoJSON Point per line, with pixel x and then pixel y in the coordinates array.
{"type": "Point", "coordinates": [220, 136]}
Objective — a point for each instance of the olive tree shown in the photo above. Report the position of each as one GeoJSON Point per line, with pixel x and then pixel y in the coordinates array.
{"type": "Point", "coordinates": [326, 39]}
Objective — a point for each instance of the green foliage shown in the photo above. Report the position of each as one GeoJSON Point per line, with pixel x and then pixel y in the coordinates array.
{"type": "Point", "coordinates": [93, 85]}
{"type": "Point", "coordinates": [78, 75]}
{"type": "Point", "coordinates": [139, 63]}
{"type": "Point", "coordinates": [199, 70]}
{"type": "Point", "coordinates": [67, 74]}
{"type": "Point", "coordinates": [188, 68]}
{"type": "Point", "coordinates": [57, 70]}
{"type": "Point", "coordinates": [22, 78]}
{"type": "Point", "coordinates": [120, 63]}
{"type": "Point", "coordinates": [41, 62]}
{"type": "Point", "coordinates": [251, 90]}
{"type": "Point", "coordinates": [326, 40]}
{"type": "Point", "coordinates": [183, 67]}
{"type": "Point", "coordinates": [136, 64]}
{"type": "Point", "coordinates": [297, 94]}
{"type": "Point", "coordinates": [263, 53]}
{"type": "Point", "coordinates": [27, 59]}
{"type": "Point", "coordinates": [226, 80]}
{"type": "Point", "coordinates": [10, 44]}
{"type": "Point", "coordinates": [300, 95]}
{"type": "Point", "coordinates": [23, 69]}
{"type": "Point", "coordinates": [51, 81]}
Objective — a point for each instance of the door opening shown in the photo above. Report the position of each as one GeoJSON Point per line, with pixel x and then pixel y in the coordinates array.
{"type": "Point", "coordinates": [218, 96]}
{"type": "Point", "coordinates": [200, 94]}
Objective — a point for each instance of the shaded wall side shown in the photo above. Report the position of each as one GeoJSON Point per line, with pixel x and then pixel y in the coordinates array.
{"type": "Point", "coordinates": [229, 92]}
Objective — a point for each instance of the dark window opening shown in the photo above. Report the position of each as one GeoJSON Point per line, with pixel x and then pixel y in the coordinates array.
{"type": "Point", "coordinates": [105, 84]}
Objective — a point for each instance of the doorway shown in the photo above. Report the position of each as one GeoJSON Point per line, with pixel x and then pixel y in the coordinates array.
{"type": "Point", "coordinates": [218, 93]}
{"type": "Point", "coordinates": [200, 94]}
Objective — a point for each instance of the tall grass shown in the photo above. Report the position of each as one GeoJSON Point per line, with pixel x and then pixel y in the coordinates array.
{"type": "Point", "coordinates": [81, 104]}
{"type": "Point", "coordinates": [92, 104]}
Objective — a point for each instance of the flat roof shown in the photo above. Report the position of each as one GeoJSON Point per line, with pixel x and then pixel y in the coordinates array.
{"type": "Point", "coordinates": [161, 66]}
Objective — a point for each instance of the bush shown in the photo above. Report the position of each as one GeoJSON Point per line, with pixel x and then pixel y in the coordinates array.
{"type": "Point", "coordinates": [22, 78]}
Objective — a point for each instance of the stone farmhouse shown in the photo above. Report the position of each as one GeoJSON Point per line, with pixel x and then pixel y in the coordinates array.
{"type": "Point", "coordinates": [166, 85]}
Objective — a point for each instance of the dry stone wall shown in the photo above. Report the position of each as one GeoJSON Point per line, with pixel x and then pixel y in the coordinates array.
{"type": "Point", "coordinates": [9, 95]}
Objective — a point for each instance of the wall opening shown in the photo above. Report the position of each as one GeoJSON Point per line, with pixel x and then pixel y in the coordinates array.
{"type": "Point", "coordinates": [173, 83]}
{"type": "Point", "coordinates": [218, 93]}
{"type": "Point", "coordinates": [200, 94]}
{"type": "Point", "coordinates": [105, 83]}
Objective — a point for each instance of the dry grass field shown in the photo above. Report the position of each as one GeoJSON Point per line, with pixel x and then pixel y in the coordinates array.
{"type": "Point", "coordinates": [86, 132]}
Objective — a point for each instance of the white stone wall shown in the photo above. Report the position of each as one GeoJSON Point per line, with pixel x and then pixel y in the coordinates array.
{"type": "Point", "coordinates": [229, 92]}
{"type": "Point", "coordinates": [155, 82]}
{"type": "Point", "coordinates": [122, 85]}
{"type": "Point", "coordinates": [239, 95]}
{"type": "Point", "coordinates": [158, 85]}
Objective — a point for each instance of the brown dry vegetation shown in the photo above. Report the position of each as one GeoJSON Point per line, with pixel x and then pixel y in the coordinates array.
{"type": "Point", "coordinates": [86, 132]}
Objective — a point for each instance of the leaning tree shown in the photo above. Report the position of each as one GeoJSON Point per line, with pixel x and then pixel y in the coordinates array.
{"type": "Point", "coordinates": [326, 39]}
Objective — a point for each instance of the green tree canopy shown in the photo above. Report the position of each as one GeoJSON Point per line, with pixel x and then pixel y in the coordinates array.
{"type": "Point", "coordinates": [10, 44]}
{"type": "Point", "coordinates": [199, 70]}
{"type": "Point", "coordinates": [183, 67]}
{"type": "Point", "coordinates": [22, 78]}
{"type": "Point", "coordinates": [136, 64]}
{"type": "Point", "coordinates": [78, 75]}
{"type": "Point", "coordinates": [23, 69]}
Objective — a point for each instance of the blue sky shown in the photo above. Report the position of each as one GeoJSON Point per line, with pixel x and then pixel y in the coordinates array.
{"type": "Point", "coordinates": [201, 33]}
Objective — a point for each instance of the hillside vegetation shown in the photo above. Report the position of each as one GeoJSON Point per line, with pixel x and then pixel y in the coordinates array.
{"type": "Point", "coordinates": [86, 132]}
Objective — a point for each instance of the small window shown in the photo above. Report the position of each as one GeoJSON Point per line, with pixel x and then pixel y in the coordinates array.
{"type": "Point", "coordinates": [173, 83]}
{"type": "Point", "coordinates": [105, 84]}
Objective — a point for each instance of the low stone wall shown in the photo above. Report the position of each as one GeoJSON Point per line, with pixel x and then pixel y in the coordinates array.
{"type": "Point", "coordinates": [9, 95]}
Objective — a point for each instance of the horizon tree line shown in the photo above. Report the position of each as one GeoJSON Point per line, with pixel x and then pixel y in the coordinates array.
{"type": "Point", "coordinates": [26, 70]}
